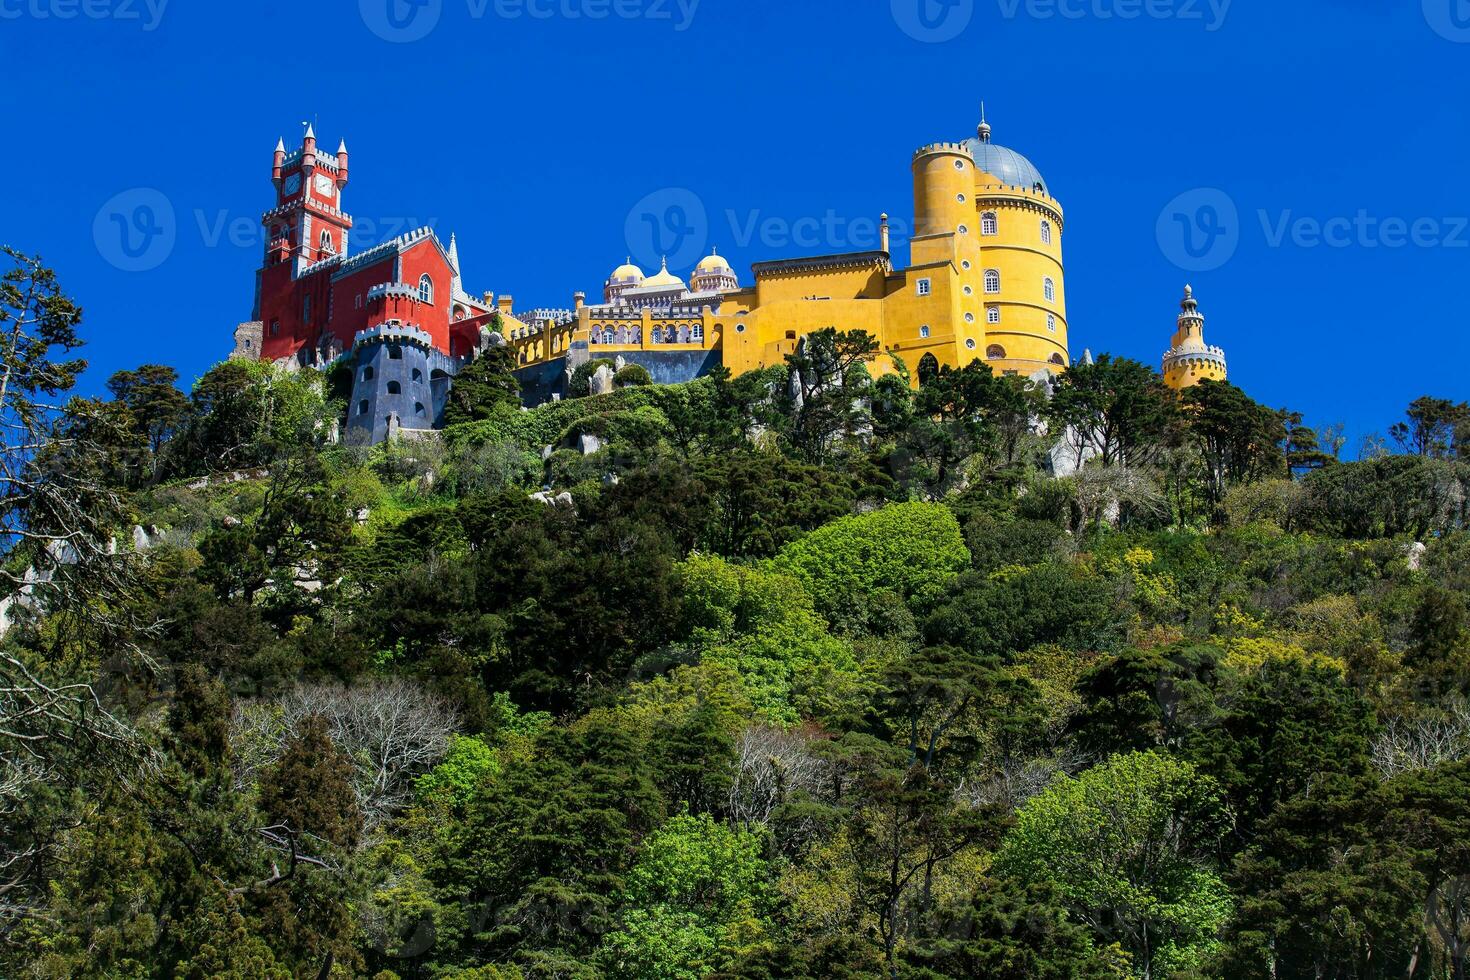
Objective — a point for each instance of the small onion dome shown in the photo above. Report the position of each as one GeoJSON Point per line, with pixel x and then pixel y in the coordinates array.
{"type": "Point", "coordinates": [713, 264]}
{"type": "Point", "coordinates": [663, 278]}
{"type": "Point", "coordinates": [627, 271]}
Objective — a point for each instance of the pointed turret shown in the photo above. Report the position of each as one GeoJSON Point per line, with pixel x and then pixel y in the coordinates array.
{"type": "Point", "coordinates": [1190, 360]}
{"type": "Point", "coordinates": [278, 161]}
{"type": "Point", "coordinates": [453, 253]}
{"type": "Point", "coordinates": [341, 164]}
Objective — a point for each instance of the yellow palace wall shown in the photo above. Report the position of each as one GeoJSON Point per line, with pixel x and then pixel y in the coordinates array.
{"type": "Point", "coordinates": [758, 326]}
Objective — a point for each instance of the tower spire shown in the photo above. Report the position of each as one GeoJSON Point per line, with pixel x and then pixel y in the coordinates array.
{"type": "Point", "coordinates": [984, 130]}
{"type": "Point", "coordinates": [1190, 360]}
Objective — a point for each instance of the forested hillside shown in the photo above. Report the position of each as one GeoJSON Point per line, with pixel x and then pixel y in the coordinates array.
{"type": "Point", "coordinates": [796, 674]}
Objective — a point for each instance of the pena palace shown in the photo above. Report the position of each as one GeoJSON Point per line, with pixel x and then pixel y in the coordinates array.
{"type": "Point", "coordinates": [984, 282]}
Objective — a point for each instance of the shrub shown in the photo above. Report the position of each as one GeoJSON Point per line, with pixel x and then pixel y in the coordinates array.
{"type": "Point", "coordinates": [912, 550]}
{"type": "Point", "coordinates": [633, 376]}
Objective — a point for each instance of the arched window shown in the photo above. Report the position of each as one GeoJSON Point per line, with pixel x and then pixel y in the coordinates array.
{"type": "Point", "coordinates": [1049, 287]}
{"type": "Point", "coordinates": [992, 314]}
{"type": "Point", "coordinates": [1059, 360]}
{"type": "Point", "coordinates": [418, 375]}
{"type": "Point", "coordinates": [326, 241]}
{"type": "Point", "coordinates": [928, 368]}
{"type": "Point", "coordinates": [995, 352]}
{"type": "Point", "coordinates": [992, 280]}
{"type": "Point", "coordinates": [989, 224]}
{"type": "Point", "coordinates": [418, 409]}
{"type": "Point", "coordinates": [362, 407]}
{"type": "Point", "coordinates": [924, 331]}
{"type": "Point", "coordinates": [426, 289]}
{"type": "Point", "coordinates": [394, 388]}
{"type": "Point", "coordinates": [1051, 322]}
{"type": "Point", "coordinates": [1045, 232]}
{"type": "Point", "coordinates": [367, 374]}
{"type": "Point", "coordinates": [395, 352]}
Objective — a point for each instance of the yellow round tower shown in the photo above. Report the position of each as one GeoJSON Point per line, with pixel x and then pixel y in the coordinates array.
{"type": "Point", "coordinates": [1022, 281]}
{"type": "Point", "coordinates": [1190, 360]}
{"type": "Point", "coordinates": [944, 252]}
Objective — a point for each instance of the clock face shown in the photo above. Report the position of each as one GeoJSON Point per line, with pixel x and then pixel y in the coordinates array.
{"type": "Point", "coordinates": [293, 184]}
{"type": "Point", "coordinates": [324, 185]}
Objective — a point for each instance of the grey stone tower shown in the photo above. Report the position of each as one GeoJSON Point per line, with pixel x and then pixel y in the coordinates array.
{"type": "Point", "coordinates": [399, 383]}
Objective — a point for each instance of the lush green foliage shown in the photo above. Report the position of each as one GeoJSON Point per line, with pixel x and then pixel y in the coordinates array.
{"type": "Point", "coordinates": [800, 674]}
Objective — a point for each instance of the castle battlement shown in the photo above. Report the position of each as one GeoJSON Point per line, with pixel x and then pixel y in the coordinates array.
{"type": "Point", "coordinates": [959, 149]}
{"type": "Point", "coordinates": [383, 289]}
{"type": "Point", "coordinates": [393, 332]}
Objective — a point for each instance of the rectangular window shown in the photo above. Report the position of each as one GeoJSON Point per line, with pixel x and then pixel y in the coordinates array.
{"type": "Point", "coordinates": [275, 328]}
{"type": "Point", "coordinates": [306, 311]}
{"type": "Point", "coordinates": [925, 287]}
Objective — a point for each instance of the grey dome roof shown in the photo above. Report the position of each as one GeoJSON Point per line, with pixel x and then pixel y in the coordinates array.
{"type": "Point", "coordinates": [1004, 164]}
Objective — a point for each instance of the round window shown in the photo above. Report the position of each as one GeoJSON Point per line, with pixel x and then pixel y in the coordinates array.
{"type": "Point", "coordinates": [969, 291]}
{"type": "Point", "coordinates": [960, 198]}
{"type": "Point", "coordinates": [959, 165]}
{"type": "Point", "coordinates": [964, 230]}
{"type": "Point", "coordinates": [740, 328]}
{"type": "Point", "coordinates": [970, 343]}
{"type": "Point", "coordinates": [969, 318]}
{"type": "Point", "coordinates": [965, 264]}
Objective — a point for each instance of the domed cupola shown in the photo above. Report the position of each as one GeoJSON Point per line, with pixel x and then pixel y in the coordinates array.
{"type": "Point", "coordinates": [663, 279]}
{"type": "Point", "coordinates": [1008, 167]}
{"type": "Point", "coordinates": [714, 275]}
{"type": "Point", "coordinates": [626, 276]}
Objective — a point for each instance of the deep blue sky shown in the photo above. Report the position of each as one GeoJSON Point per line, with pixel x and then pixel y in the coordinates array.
{"type": "Point", "coordinates": [535, 138]}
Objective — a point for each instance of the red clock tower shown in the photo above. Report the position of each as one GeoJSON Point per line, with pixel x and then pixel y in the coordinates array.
{"type": "Point", "coordinates": [307, 226]}
{"type": "Point", "coordinates": [313, 299]}
{"type": "Point", "coordinates": [308, 223]}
